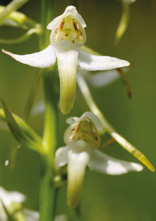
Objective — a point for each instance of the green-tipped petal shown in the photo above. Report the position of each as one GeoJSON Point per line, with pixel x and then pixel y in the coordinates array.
{"type": "Point", "coordinates": [67, 55]}
{"type": "Point", "coordinates": [78, 157]}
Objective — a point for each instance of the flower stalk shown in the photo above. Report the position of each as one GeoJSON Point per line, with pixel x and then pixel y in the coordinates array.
{"type": "Point", "coordinates": [13, 6]}
{"type": "Point", "coordinates": [47, 188]}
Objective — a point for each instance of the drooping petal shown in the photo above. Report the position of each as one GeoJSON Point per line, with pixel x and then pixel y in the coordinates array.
{"type": "Point", "coordinates": [67, 55]}
{"type": "Point", "coordinates": [61, 157]}
{"type": "Point", "coordinates": [70, 10]}
{"type": "Point", "coordinates": [41, 59]}
{"type": "Point", "coordinates": [103, 163]}
{"type": "Point", "coordinates": [78, 157]}
{"type": "Point", "coordinates": [91, 62]}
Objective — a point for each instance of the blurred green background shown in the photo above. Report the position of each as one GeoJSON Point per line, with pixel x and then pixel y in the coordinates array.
{"type": "Point", "coordinates": [130, 197]}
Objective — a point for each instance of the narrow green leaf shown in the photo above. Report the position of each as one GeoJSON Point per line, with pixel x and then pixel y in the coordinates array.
{"type": "Point", "coordinates": [15, 129]}
{"type": "Point", "coordinates": [21, 131]}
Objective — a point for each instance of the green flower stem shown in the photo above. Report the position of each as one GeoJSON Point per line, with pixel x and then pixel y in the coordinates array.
{"type": "Point", "coordinates": [22, 38]}
{"type": "Point", "coordinates": [13, 6]}
{"type": "Point", "coordinates": [47, 186]}
{"type": "Point", "coordinates": [47, 192]}
{"type": "Point", "coordinates": [123, 22]}
{"type": "Point", "coordinates": [23, 126]}
{"type": "Point", "coordinates": [19, 18]}
{"type": "Point", "coordinates": [118, 138]}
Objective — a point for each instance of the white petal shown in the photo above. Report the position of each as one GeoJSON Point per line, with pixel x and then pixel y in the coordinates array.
{"type": "Point", "coordinates": [61, 157]}
{"type": "Point", "coordinates": [72, 120]}
{"type": "Point", "coordinates": [8, 197]}
{"type": "Point", "coordinates": [67, 55]}
{"type": "Point", "coordinates": [30, 215]}
{"type": "Point", "coordinates": [128, 1]}
{"type": "Point", "coordinates": [93, 118]}
{"type": "Point", "coordinates": [101, 79]}
{"type": "Point", "coordinates": [78, 157]}
{"type": "Point", "coordinates": [91, 62]}
{"type": "Point", "coordinates": [61, 217]}
{"type": "Point", "coordinates": [41, 59]}
{"type": "Point", "coordinates": [70, 10]}
{"type": "Point", "coordinates": [103, 163]}
{"type": "Point", "coordinates": [39, 108]}
{"type": "Point", "coordinates": [10, 22]}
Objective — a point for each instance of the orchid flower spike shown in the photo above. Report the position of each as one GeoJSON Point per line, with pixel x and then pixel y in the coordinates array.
{"type": "Point", "coordinates": [83, 140]}
{"type": "Point", "coordinates": [11, 200]}
{"type": "Point", "coordinates": [67, 36]}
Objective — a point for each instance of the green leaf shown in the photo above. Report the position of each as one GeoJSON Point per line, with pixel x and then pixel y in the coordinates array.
{"type": "Point", "coordinates": [15, 129]}
{"type": "Point", "coordinates": [20, 130]}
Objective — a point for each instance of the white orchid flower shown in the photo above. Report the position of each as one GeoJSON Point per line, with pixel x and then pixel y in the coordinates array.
{"type": "Point", "coordinates": [66, 38]}
{"type": "Point", "coordinates": [8, 199]}
{"type": "Point", "coordinates": [12, 200]}
{"type": "Point", "coordinates": [82, 139]}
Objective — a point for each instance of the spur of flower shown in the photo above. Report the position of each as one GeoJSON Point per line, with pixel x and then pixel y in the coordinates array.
{"type": "Point", "coordinates": [83, 140]}
{"type": "Point", "coordinates": [67, 36]}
